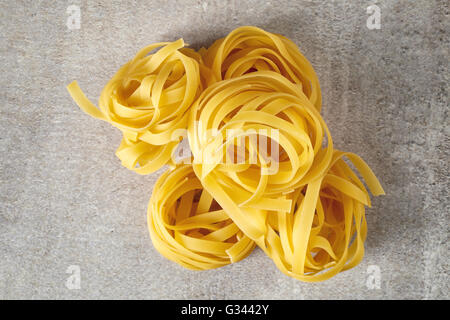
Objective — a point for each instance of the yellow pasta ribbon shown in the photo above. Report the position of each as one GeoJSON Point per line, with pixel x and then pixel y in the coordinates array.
{"type": "Point", "coordinates": [148, 100]}
{"type": "Point", "coordinates": [188, 226]}
{"type": "Point", "coordinates": [325, 231]}
{"type": "Point", "coordinates": [248, 49]}
{"type": "Point", "coordinates": [261, 105]}
{"type": "Point", "coordinates": [264, 171]}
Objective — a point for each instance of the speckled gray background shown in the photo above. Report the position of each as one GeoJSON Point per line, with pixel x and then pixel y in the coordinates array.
{"type": "Point", "coordinates": [66, 200]}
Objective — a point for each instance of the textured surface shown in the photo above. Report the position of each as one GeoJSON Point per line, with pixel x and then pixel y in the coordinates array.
{"type": "Point", "coordinates": [66, 200]}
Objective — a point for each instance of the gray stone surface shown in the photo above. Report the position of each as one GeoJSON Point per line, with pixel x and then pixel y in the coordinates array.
{"type": "Point", "coordinates": [66, 200]}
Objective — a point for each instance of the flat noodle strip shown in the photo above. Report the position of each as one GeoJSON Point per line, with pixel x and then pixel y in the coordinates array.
{"type": "Point", "coordinates": [248, 49]}
{"type": "Point", "coordinates": [265, 106]}
{"type": "Point", "coordinates": [327, 230]}
{"type": "Point", "coordinates": [205, 237]}
{"type": "Point", "coordinates": [148, 100]}
{"type": "Point", "coordinates": [264, 171]}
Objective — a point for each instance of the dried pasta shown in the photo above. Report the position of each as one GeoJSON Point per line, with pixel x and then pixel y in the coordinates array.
{"type": "Point", "coordinates": [263, 170]}
{"type": "Point", "coordinates": [247, 49]}
{"type": "Point", "coordinates": [261, 104]}
{"type": "Point", "coordinates": [148, 100]}
{"type": "Point", "coordinates": [325, 231]}
{"type": "Point", "coordinates": [188, 226]}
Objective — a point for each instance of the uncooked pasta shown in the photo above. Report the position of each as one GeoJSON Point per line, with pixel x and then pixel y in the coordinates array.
{"type": "Point", "coordinates": [263, 170]}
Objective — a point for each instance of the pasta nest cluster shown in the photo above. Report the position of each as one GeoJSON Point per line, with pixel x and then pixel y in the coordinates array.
{"type": "Point", "coordinates": [262, 171]}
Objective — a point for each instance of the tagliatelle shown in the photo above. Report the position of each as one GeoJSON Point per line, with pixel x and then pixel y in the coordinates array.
{"type": "Point", "coordinates": [325, 231]}
{"type": "Point", "coordinates": [264, 169]}
{"type": "Point", "coordinates": [261, 105]}
{"type": "Point", "coordinates": [188, 226]}
{"type": "Point", "coordinates": [247, 49]}
{"type": "Point", "coordinates": [148, 100]}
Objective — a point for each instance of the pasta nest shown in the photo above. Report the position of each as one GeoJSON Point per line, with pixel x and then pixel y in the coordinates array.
{"type": "Point", "coordinates": [274, 128]}
{"type": "Point", "coordinates": [263, 170]}
{"type": "Point", "coordinates": [189, 227]}
{"type": "Point", "coordinates": [148, 100]}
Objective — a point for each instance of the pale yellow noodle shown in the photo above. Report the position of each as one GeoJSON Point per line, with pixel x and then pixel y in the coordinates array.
{"type": "Point", "coordinates": [148, 100]}
{"type": "Point", "coordinates": [248, 49]}
{"type": "Point", "coordinates": [187, 226]}
{"type": "Point", "coordinates": [287, 190]}
{"type": "Point", "coordinates": [262, 104]}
